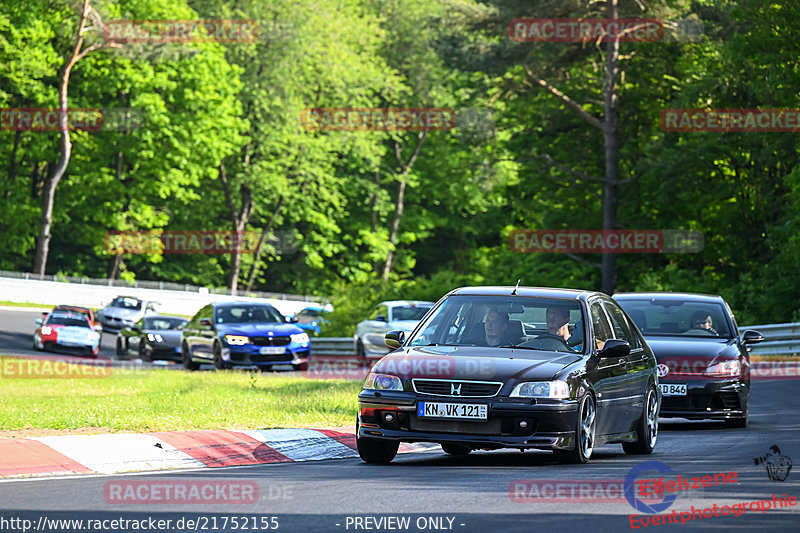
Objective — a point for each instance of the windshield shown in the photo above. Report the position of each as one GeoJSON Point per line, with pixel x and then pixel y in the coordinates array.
{"type": "Point", "coordinates": [68, 320]}
{"type": "Point", "coordinates": [409, 312]}
{"type": "Point", "coordinates": [162, 323]}
{"type": "Point", "coordinates": [127, 303]}
{"type": "Point", "coordinates": [550, 324]}
{"type": "Point", "coordinates": [248, 314]}
{"type": "Point", "coordinates": [672, 317]}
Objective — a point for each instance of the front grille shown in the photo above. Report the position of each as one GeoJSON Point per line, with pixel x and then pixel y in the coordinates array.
{"type": "Point", "coordinates": [490, 427]}
{"type": "Point", "coordinates": [456, 388]}
{"type": "Point", "coordinates": [270, 341]}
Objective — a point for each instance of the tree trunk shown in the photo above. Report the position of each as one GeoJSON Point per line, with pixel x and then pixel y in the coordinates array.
{"type": "Point", "coordinates": [264, 232]}
{"type": "Point", "coordinates": [46, 221]}
{"type": "Point", "coordinates": [611, 142]}
{"type": "Point", "coordinates": [239, 221]}
{"type": "Point", "coordinates": [405, 168]}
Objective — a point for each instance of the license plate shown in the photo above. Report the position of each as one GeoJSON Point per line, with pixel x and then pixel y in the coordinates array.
{"type": "Point", "coordinates": [272, 350]}
{"type": "Point", "coordinates": [465, 411]}
{"type": "Point", "coordinates": [673, 389]}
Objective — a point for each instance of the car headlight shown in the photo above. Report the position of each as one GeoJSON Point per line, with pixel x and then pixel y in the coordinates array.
{"type": "Point", "coordinates": [300, 338]}
{"type": "Point", "coordinates": [154, 338]}
{"type": "Point", "coordinates": [382, 382]}
{"type": "Point", "coordinates": [727, 368]}
{"type": "Point", "coordinates": [236, 340]}
{"type": "Point", "coordinates": [47, 330]}
{"type": "Point", "coordinates": [541, 389]}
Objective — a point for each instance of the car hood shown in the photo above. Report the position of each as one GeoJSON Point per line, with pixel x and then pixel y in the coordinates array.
{"type": "Point", "coordinates": [170, 336]}
{"type": "Point", "coordinates": [694, 349]}
{"type": "Point", "coordinates": [118, 312]}
{"type": "Point", "coordinates": [259, 330]}
{"type": "Point", "coordinates": [474, 363]}
{"type": "Point", "coordinates": [405, 325]}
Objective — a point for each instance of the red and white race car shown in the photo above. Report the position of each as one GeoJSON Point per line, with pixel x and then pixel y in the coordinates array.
{"type": "Point", "coordinates": [62, 329]}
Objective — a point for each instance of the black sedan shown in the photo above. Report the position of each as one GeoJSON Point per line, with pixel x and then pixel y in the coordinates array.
{"type": "Point", "coordinates": [152, 337]}
{"type": "Point", "coordinates": [505, 367]}
{"type": "Point", "coordinates": [704, 366]}
{"type": "Point", "coordinates": [243, 334]}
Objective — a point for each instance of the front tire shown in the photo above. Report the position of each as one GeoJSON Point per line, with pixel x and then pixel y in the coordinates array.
{"type": "Point", "coordinates": [144, 354]}
{"type": "Point", "coordinates": [219, 362]}
{"type": "Point", "coordinates": [122, 347]}
{"type": "Point", "coordinates": [38, 346]}
{"type": "Point", "coordinates": [376, 451]}
{"type": "Point", "coordinates": [584, 434]}
{"type": "Point", "coordinates": [188, 364]}
{"type": "Point", "coordinates": [360, 352]}
{"type": "Point", "coordinates": [647, 428]}
{"type": "Point", "coordinates": [742, 421]}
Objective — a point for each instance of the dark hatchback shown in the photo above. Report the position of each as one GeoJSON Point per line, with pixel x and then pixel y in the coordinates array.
{"type": "Point", "coordinates": [243, 334]}
{"type": "Point", "coordinates": [499, 367]}
{"type": "Point", "coordinates": [704, 366]}
{"type": "Point", "coordinates": [153, 337]}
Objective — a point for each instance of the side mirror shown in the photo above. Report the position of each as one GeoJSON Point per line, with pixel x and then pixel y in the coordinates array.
{"type": "Point", "coordinates": [615, 348]}
{"type": "Point", "coordinates": [205, 322]}
{"type": "Point", "coordinates": [98, 328]}
{"type": "Point", "coordinates": [291, 319]}
{"type": "Point", "coordinates": [39, 321]}
{"type": "Point", "coordinates": [380, 318]}
{"type": "Point", "coordinates": [752, 337]}
{"type": "Point", "coordinates": [395, 338]}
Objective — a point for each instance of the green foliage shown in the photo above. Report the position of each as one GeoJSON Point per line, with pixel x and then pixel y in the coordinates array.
{"type": "Point", "coordinates": [238, 105]}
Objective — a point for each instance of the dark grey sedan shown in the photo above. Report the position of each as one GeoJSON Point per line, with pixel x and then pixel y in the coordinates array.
{"type": "Point", "coordinates": [152, 337]}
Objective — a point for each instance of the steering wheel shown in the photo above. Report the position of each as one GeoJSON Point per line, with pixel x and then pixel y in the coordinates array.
{"type": "Point", "coordinates": [695, 331]}
{"type": "Point", "coordinates": [547, 341]}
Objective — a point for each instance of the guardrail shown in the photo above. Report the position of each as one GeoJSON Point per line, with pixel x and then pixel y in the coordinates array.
{"type": "Point", "coordinates": [780, 339]}
{"type": "Point", "coordinates": [333, 347]}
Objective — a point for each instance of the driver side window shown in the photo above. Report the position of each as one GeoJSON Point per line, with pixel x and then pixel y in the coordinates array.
{"type": "Point", "coordinates": [620, 326]}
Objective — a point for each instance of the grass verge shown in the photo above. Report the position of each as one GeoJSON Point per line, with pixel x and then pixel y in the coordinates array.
{"type": "Point", "coordinates": [164, 400]}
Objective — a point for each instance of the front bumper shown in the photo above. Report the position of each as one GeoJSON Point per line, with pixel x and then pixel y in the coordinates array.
{"type": "Point", "coordinates": [511, 422]}
{"type": "Point", "coordinates": [249, 355]}
{"type": "Point", "coordinates": [712, 399]}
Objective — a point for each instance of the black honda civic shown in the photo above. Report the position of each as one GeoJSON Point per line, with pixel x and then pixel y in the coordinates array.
{"type": "Point", "coordinates": [506, 367]}
{"type": "Point", "coordinates": [704, 365]}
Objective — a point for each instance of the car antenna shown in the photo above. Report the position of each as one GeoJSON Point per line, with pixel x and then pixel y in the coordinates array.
{"type": "Point", "coordinates": [514, 292]}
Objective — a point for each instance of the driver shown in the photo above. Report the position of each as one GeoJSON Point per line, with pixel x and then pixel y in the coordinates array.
{"type": "Point", "coordinates": [558, 322]}
{"type": "Point", "coordinates": [702, 320]}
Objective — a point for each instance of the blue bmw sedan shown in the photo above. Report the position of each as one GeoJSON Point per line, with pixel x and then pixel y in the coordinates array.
{"type": "Point", "coordinates": [243, 334]}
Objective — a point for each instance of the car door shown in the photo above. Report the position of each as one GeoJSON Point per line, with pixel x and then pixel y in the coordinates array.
{"type": "Point", "coordinates": [637, 365]}
{"type": "Point", "coordinates": [611, 379]}
{"type": "Point", "coordinates": [206, 333]}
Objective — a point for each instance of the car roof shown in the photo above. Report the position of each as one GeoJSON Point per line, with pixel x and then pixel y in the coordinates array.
{"type": "Point", "coordinates": [148, 317]}
{"type": "Point", "coordinates": [545, 292]}
{"type": "Point", "coordinates": [395, 303]}
{"type": "Point", "coordinates": [684, 296]}
{"type": "Point", "coordinates": [230, 304]}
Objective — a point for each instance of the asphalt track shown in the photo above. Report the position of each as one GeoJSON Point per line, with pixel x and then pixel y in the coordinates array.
{"type": "Point", "coordinates": [436, 492]}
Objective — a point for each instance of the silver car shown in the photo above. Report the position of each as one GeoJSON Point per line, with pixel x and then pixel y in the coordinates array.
{"type": "Point", "coordinates": [123, 312]}
{"type": "Point", "coordinates": [385, 317]}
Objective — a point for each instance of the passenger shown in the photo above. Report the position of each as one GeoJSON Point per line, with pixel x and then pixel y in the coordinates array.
{"type": "Point", "coordinates": [496, 327]}
{"type": "Point", "coordinates": [558, 322]}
